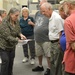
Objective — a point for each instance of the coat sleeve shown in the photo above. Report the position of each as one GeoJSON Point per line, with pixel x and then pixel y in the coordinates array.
{"type": "Point", "coordinates": [6, 35]}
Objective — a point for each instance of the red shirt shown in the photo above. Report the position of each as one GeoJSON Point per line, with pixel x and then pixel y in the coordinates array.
{"type": "Point", "coordinates": [69, 56]}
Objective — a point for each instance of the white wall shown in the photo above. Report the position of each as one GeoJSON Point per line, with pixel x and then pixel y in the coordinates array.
{"type": "Point", "coordinates": [23, 2]}
{"type": "Point", "coordinates": [1, 4]}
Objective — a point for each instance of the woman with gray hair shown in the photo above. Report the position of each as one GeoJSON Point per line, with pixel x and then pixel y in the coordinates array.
{"type": "Point", "coordinates": [27, 29]}
{"type": "Point", "coordinates": [9, 37]}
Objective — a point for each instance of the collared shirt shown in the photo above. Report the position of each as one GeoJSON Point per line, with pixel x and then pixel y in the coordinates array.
{"type": "Point", "coordinates": [69, 56]}
{"type": "Point", "coordinates": [55, 26]}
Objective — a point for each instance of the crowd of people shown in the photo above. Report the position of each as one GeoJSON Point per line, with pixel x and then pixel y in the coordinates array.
{"type": "Point", "coordinates": [51, 35]}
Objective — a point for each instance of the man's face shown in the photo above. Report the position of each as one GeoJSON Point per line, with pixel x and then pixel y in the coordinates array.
{"type": "Point", "coordinates": [46, 12]}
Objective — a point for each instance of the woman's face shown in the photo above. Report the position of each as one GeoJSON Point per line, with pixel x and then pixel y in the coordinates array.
{"type": "Point", "coordinates": [4, 14]}
{"type": "Point", "coordinates": [25, 13]}
{"type": "Point", "coordinates": [15, 16]}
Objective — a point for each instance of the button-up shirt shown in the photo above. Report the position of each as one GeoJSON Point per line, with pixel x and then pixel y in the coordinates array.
{"type": "Point", "coordinates": [55, 26]}
{"type": "Point", "coordinates": [69, 56]}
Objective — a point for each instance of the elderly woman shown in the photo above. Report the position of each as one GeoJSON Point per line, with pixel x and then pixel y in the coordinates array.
{"type": "Point", "coordinates": [9, 37]}
{"type": "Point", "coordinates": [27, 29]}
{"type": "Point", "coordinates": [2, 14]}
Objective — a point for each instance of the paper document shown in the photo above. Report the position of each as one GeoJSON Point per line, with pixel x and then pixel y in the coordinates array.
{"type": "Point", "coordinates": [25, 41]}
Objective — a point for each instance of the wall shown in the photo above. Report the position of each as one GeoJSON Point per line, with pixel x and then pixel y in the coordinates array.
{"type": "Point", "coordinates": [23, 2]}
{"type": "Point", "coordinates": [1, 4]}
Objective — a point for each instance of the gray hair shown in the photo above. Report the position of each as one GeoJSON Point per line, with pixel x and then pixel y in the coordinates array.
{"type": "Point", "coordinates": [25, 8]}
{"type": "Point", "coordinates": [13, 10]}
{"type": "Point", "coordinates": [47, 5]}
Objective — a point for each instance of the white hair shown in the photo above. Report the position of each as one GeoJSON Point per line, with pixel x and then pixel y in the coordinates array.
{"type": "Point", "coordinates": [25, 8]}
{"type": "Point", "coordinates": [47, 5]}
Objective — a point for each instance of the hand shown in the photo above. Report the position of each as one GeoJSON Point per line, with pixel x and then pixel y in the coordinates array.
{"type": "Point", "coordinates": [22, 37]}
{"type": "Point", "coordinates": [31, 23]}
{"type": "Point", "coordinates": [73, 46]}
{"type": "Point", "coordinates": [20, 41]}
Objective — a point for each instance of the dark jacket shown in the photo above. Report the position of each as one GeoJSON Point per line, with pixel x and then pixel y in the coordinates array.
{"type": "Point", "coordinates": [26, 29]}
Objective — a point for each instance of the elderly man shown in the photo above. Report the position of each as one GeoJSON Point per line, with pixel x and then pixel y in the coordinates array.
{"type": "Point", "coordinates": [69, 27]}
{"type": "Point", "coordinates": [55, 28]}
{"type": "Point", "coordinates": [42, 44]}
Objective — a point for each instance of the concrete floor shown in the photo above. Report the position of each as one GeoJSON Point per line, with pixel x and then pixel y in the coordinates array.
{"type": "Point", "coordinates": [25, 68]}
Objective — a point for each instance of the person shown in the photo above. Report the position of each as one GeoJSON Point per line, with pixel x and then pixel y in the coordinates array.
{"type": "Point", "coordinates": [69, 27]}
{"type": "Point", "coordinates": [55, 28]}
{"type": "Point", "coordinates": [3, 14]}
{"type": "Point", "coordinates": [42, 43]}
{"type": "Point", "coordinates": [27, 28]}
{"type": "Point", "coordinates": [62, 37]}
{"type": "Point", "coordinates": [9, 36]}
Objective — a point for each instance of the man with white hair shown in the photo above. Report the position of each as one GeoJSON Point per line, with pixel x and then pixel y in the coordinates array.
{"type": "Point", "coordinates": [69, 27]}
{"type": "Point", "coordinates": [42, 44]}
{"type": "Point", "coordinates": [55, 28]}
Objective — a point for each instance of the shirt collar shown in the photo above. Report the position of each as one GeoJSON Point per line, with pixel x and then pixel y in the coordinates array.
{"type": "Point", "coordinates": [51, 16]}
